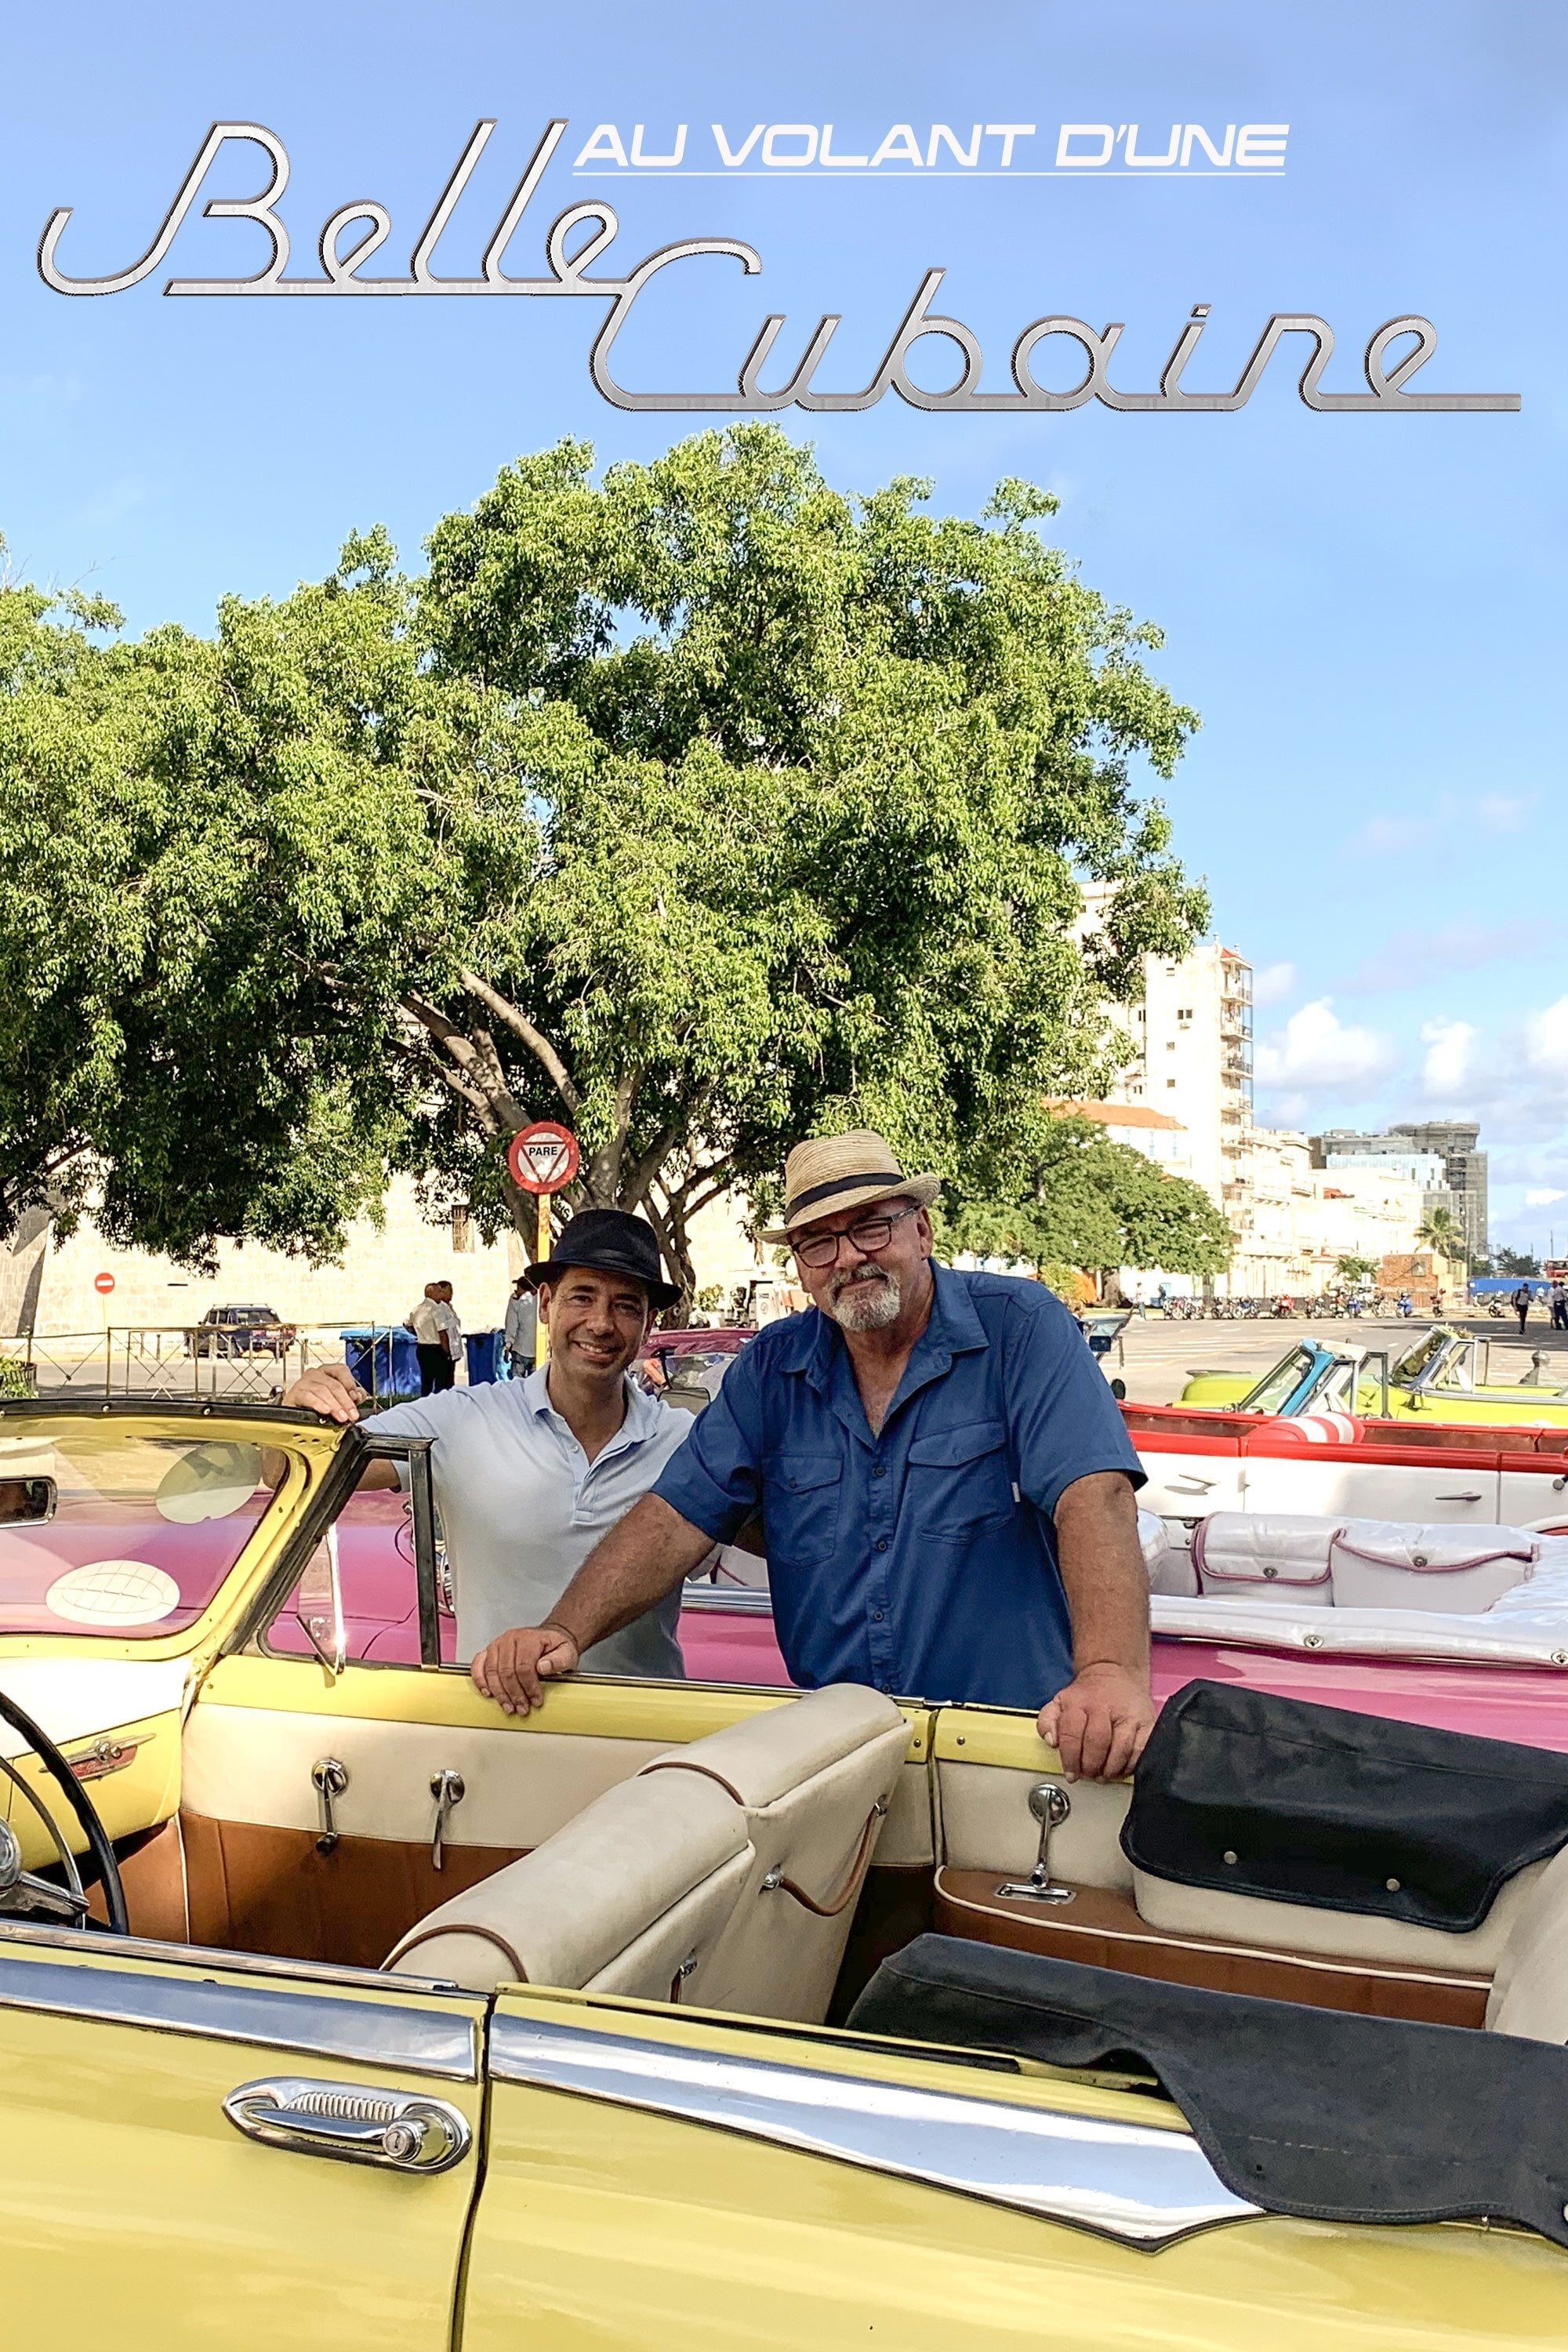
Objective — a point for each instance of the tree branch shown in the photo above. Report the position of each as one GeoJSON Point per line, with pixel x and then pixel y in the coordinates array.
{"type": "Point", "coordinates": [538, 1045]}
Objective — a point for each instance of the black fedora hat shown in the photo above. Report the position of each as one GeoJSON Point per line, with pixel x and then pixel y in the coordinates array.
{"type": "Point", "coordinates": [611, 1240]}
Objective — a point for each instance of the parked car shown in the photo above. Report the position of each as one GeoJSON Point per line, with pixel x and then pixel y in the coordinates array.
{"type": "Point", "coordinates": [419, 2022]}
{"type": "Point", "coordinates": [241, 1331]}
{"type": "Point", "coordinates": [1442, 1376]}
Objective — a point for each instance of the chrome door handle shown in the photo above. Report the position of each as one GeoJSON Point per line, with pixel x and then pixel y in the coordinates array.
{"type": "Point", "coordinates": [403, 2131]}
{"type": "Point", "coordinates": [449, 1789]}
{"type": "Point", "coordinates": [1472, 1497]}
{"type": "Point", "coordinates": [1190, 1483]}
{"type": "Point", "coordinates": [328, 1779]}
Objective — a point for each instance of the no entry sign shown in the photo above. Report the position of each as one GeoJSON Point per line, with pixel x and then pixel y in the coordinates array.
{"type": "Point", "coordinates": [543, 1158]}
{"type": "Point", "coordinates": [103, 1283]}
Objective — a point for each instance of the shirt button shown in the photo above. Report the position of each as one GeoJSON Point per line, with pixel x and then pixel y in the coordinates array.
{"type": "Point", "coordinates": [877, 1619]}
{"type": "Point", "coordinates": [882, 1543]}
{"type": "Point", "coordinates": [880, 1470]}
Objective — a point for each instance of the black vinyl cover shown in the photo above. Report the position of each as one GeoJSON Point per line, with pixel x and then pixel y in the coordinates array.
{"type": "Point", "coordinates": [1314, 2112]}
{"type": "Point", "coordinates": [1344, 1812]}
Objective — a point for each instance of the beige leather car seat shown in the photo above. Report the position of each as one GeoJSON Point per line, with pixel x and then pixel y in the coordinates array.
{"type": "Point", "coordinates": [814, 1779]}
{"type": "Point", "coordinates": [1530, 1991]}
{"type": "Point", "coordinates": [629, 1897]}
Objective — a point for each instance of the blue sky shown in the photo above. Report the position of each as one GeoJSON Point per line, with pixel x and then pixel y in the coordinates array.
{"type": "Point", "coordinates": [1366, 610]}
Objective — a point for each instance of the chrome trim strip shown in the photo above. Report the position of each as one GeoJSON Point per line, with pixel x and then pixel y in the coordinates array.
{"type": "Point", "coordinates": [90, 1942]}
{"type": "Point", "coordinates": [1136, 2182]}
{"type": "Point", "coordinates": [377, 2033]}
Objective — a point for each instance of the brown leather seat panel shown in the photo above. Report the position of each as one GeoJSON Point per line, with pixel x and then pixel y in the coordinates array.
{"type": "Point", "coordinates": [1104, 1930]}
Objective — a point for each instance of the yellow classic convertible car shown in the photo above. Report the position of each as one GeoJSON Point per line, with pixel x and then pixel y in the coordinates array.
{"type": "Point", "coordinates": [1441, 1376]}
{"type": "Point", "coordinates": [338, 2009]}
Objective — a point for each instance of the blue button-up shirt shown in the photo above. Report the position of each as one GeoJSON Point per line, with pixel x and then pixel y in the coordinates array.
{"type": "Point", "coordinates": [922, 1559]}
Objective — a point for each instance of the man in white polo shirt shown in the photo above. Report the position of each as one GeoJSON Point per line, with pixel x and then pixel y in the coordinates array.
{"type": "Point", "coordinates": [530, 1474]}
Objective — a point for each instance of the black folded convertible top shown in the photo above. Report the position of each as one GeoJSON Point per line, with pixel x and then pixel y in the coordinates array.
{"type": "Point", "coordinates": [1254, 1794]}
{"type": "Point", "coordinates": [1308, 2110]}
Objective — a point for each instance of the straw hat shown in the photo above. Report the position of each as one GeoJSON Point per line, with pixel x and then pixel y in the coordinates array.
{"type": "Point", "coordinates": [844, 1171]}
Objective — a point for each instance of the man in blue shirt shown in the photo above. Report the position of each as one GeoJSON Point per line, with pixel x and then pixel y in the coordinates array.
{"type": "Point", "coordinates": [945, 1481]}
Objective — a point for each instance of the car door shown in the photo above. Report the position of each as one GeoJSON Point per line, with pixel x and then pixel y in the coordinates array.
{"type": "Point", "coordinates": [1385, 1473]}
{"type": "Point", "coordinates": [327, 1805]}
{"type": "Point", "coordinates": [173, 2131]}
{"type": "Point", "coordinates": [659, 2180]}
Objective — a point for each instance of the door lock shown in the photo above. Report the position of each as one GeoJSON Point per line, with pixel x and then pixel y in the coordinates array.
{"type": "Point", "coordinates": [449, 1789]}
{"type": "Point", "coordinates": [328, 1779]}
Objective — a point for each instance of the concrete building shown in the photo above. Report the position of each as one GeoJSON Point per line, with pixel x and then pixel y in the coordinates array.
{"type": "Point", "coordinates": [45, 1289]}
{"type": "Point", "coordinates": [1294, 1223]}
{"type": "Point", "coordinates": [1451, 1143]}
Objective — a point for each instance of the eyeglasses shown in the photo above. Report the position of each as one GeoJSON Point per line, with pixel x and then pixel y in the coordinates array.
{"type": "Point", "coordinates": [870, 1237]}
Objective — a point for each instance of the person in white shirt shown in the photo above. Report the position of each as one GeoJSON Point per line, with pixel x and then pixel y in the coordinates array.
{"type": "Point", "coordinates": [520, 1337]}
{"type": "Point", "coordinates": [450, 1328]}
{"type": "Point", "coordinates": [530, 1474]}
{"type": "Point", "coordinates": [437, 1362]}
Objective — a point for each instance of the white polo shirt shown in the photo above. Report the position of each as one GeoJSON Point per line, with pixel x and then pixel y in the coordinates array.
{"type": "Point", "coordinates": [521, 1507]}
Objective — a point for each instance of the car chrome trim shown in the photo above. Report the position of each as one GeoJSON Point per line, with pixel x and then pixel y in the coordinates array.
{"type": "Point", "coordinates": [375, 2033]}
{"type": "Point", "coordinates": [215, 1956]}
{"type": "Point", "coordinates": [1137, 2182]}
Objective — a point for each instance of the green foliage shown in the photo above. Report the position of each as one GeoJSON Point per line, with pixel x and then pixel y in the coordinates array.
{"type": "Point", "coordinates": [1094, 1203]}
{"type": "Point", "coordinates": [703, 805]}
{"type": "Point", "coordinates": [1440, 1232]}
{"type": "Point", "coordinates": [1514, 1263]}
{"type": "Point", "coordinates": [1355, 1270]}
{"type": "Point", "coordinates": [14, 1379]}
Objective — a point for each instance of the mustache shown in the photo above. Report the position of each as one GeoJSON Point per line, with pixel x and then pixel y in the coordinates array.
{"type": "Point", "coordinates": [842, 1280]}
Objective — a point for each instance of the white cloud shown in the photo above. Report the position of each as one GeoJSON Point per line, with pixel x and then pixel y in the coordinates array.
{"type": "Point", "coordinates": [1505, 812]}
{"type": "Point", "coordinates": [1274, 983]}
{"type": "Point", "coordinates": [1546, 1040]}
{"type": "Point", "coordinates": [1414, 959]}
{"type": "Point", "coordinates": [1447, 1068]}
{"type": "Point", "coordinates": [1489, 812]}
{"type": "Point", "coordinates": [1543, 1197]}
{"type": "Point", "coordinates": [1316, 1050]}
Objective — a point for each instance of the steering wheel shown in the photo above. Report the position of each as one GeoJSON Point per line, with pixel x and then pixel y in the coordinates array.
{"type": "Point", "coordinates": [22, 1890]}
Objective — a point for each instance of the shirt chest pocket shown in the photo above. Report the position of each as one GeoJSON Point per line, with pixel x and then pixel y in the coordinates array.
{"type": "Point", "coordinates": [800, 1507]}
{"type": "Point", "coordinates": [958, 1480]}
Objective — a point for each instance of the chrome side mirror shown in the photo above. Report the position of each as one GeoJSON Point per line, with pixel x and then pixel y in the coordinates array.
{"type": "Point", "coordinates": [1050, 1806]}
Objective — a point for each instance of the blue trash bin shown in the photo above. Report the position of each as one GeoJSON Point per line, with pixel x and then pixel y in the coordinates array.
{"type": "Point", "coordinates": [484, 1350]}
{"type": "Point", "coordinates": [383, 1359]}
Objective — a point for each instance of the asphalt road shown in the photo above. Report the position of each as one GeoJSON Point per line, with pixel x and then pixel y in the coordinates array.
{"type": "Point", "coordinates": [1159, 1356]}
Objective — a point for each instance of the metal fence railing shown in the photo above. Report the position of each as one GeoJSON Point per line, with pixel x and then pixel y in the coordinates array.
{"type": "Point", "coordinates": [244, 1363]}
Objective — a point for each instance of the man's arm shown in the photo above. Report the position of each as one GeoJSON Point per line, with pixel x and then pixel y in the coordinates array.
{"type": "Point", "coordinates": [643, 1557]}
{"type": "Point", "coordinates": [1099, 1723]}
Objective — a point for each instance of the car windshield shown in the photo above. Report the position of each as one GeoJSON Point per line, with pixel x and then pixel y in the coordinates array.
{"type": "Point", "coordinates": [1275, 1387]}
{"type": "Point", "coordinates": [106, 1532]}
{"type": "Point", "coordinates": [1416, 1359]}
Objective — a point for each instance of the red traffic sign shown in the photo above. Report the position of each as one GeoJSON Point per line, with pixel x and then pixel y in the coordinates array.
{"type": "Point", "coordinates": [543, 1158]}
{"type": "Point", "coordinates": [104, 1282]}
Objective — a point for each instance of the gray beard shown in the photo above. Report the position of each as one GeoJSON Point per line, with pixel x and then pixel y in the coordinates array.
{"type": "Point", "coordinates": [869, 1307]}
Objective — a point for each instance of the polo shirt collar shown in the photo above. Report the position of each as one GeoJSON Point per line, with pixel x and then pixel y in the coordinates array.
{"type": "Point", "coordinates": [642, 1411]}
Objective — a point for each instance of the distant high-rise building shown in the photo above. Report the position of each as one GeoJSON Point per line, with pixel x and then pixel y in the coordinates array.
{"type": "Point", "coordinates": [1452, 1142]}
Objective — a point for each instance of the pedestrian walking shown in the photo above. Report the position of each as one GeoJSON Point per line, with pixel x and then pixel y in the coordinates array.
{"type": "Point", "coordinates": [1558, 1301]}
{"type": "Point", "coordinates": [1519, 1302]}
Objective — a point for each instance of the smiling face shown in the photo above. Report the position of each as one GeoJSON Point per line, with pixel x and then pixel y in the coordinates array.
{"type": "Point", "coordinates": [867, 1290]}
{"type": "Point", "coordinates": [597, 1321]}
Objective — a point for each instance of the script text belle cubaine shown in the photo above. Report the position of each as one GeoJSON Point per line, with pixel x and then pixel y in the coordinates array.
{"type": "Point", "coordinates": [978, 147]}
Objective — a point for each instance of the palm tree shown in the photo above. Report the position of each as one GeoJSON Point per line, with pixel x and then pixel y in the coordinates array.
{"type": "Point", "coordinates": [1441, 1232]}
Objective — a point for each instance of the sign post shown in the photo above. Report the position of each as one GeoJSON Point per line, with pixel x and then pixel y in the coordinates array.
{"type": "Point", "coordinates": [542, 1159]}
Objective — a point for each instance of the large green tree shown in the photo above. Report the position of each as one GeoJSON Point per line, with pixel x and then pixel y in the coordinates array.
{"type": "Point", "coordinates": [1091, 1202]}
{"type": "Point", "coordinates": [701, 804]}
